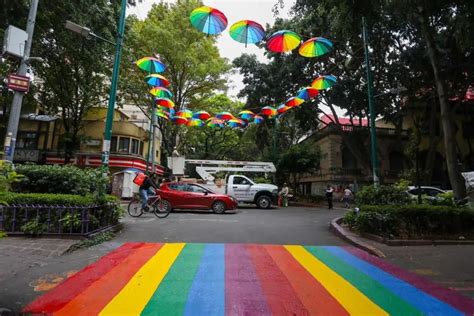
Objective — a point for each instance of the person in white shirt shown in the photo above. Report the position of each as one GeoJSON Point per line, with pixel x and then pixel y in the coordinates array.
{"type": "Point", "coordinates": [284, 194]}
{"type": "Point", "coordinates": [347, 197]}
{"type": "Point", "coordinates": [329, 191]}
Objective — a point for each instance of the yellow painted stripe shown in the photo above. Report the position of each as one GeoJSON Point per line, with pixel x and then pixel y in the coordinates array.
{"type": "Point", "coordinates": [347, 295]}
{"type": "Point", "coordinates": [132, 299]}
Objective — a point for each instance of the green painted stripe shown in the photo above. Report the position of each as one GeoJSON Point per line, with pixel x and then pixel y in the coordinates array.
{"type": "Point", "coordinates": [171, 296]}
{"type": "Point", "coordinates": [375, 291]}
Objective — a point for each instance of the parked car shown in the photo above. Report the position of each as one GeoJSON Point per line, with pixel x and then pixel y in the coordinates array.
{"type": "Point", "coordinates": [431, 192]}
{"type": "Point", "coordinates": [179, 195]}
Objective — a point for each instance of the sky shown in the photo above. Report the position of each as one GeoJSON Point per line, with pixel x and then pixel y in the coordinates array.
{"type": "Point", "coordinates": [235, 10]}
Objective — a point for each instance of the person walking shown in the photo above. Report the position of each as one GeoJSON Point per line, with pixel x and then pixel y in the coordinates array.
{"type": "Point", "coordinates": [347, 198]}
{"type": "Point", "coordinates": [284, 194]}
{"type": "Point", "coordinates": [147, 188]}
{"type": "Point", "coordinates": [329, 192]}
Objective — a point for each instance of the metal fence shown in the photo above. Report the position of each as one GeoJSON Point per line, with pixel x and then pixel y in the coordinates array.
{"type": "Point", "coordinates": [55, 220]}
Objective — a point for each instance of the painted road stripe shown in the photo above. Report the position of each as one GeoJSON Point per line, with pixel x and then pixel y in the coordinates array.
{"type": "Point", "coordinates": [243, 295]}
{"type": "Point", "coordinates": [353, 301]}
{"type": "Point", "coordinates": [206, 296]}
{"type": "Point", "coordinates": [93, 299]}
{"type": "Point", "coordinates": [452, 298]}
{"type": "Point", "coordinates": [58, 297]}
{"type": "Point", "coordinates": [374, 290]}
{"type": "Point", "coordinates": [170, 297]}
{"type": "Point", "coordinates": [281, 297]}
{"type": "Point", "coordinates": [316, 299]}
{"type": "Point", "coordinates": [135, 295]}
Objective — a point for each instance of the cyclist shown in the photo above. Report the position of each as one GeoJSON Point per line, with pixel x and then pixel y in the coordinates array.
{"type": "Point", "coordinates": [147, 188]}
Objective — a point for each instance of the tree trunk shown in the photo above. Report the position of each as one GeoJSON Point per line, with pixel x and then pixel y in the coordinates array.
{"type": "Point", "coordinates": [455, 177]}
{"type": "Point", "coordinates": [434, 140]}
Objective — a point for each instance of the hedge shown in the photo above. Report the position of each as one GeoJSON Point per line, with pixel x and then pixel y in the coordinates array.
{"type": "Point", "coordinates": [413, 221]}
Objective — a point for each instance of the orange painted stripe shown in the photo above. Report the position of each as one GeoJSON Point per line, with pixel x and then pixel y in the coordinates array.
{"type": "Point", "coordinates": [101, 292]}
{"type": "Point", "coordinates": [316, 299]}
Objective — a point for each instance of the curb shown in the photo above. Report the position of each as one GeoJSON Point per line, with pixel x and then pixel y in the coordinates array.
{"type": "Point", "coordinates": [416, 242]}
{"type": "Point", "coordinates": [353, 238]}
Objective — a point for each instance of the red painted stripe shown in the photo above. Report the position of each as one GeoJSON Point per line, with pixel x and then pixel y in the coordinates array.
{"type": "Point", "coordinates": [58, 297]}
{"type": "Point", "coordinates": [456, 300]}
{"type": "Point", "coordinates": [311, 293]}
{"type": "Point", "coordinates": [100, 293]}
{"type": "Point", "coordinates": [281, 297]}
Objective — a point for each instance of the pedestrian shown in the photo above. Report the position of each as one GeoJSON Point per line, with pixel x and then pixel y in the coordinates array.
{"type": "Point", "coordinates": [284, 194]}
{"type": "Point", "coordinates": [147, 188]}
{"type": "Point", "coordinates": [347, 197]}
{"type": "Point", "coordinates": [329, 192]}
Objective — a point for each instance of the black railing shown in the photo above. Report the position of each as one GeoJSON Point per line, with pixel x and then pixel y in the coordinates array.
{"type": "Point", "coordinates": [55, 219]}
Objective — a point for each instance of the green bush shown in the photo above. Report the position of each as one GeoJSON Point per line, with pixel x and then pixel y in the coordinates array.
{"type": "Point", "coordinates": [413, 221]}
{"type": "Point", "coordinates": [383, 195]}
{"type": "Point", "coordinates": [8, 176]}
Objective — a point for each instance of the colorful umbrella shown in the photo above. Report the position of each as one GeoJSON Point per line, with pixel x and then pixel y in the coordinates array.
{"type": "Point", "coordinates": [323, 82]}
{"type": "Point", "coordinates": [294, 101]}
{"type": "Point", "coordinates": [157, 80]}
{"type": "Point", "coordinates": [179, 120]}
{"type": "Point", "coordinates": [194, 122]}
{"type": "Point", "coordinates": [163, 114]}
{"type": "Point", "coordinates": [283, 41]}
{"type": "Point", "coordinates": [268, 111]}
{"type": "Point", "coordinates": [282, 108]}
{"type": "Point", "coordinates": [161, 92]}
{"type": "Point", "coordinates": [208, 20]}
{"type": "Point", "coordinates": [164, 102]}
{"type": "Point", "coordinates": [315, 47]}
{"type": "Point", "coordinates": [202, 115]}
{"type": "Point", "coordinates": [235, 123]}
{"type": "Point", "coordinates": [151, 64]}
{"type": "Point", "coordinates": [214, 122]}
{"type": "Point", "coordinates": [225, 116]}
{"type": "Point", "coordinates": [247, 31]}
{"type": "Point", "coordinates": [257, 119]}
{"type": "Point", "coordinates": [246, 115]}
{"type": "Point", "coordinates": [185, 113]}
{"type": "Point", "coordinates": [307, 93]}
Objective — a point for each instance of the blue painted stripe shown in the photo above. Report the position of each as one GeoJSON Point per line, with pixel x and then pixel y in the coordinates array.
{"type": "Point", "coordinates": [207, 293]}
{"type": "Point", "coordinates": [419, 299]}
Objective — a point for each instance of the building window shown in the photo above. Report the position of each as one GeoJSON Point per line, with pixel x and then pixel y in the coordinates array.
{"type": "Point", "coordinates": [113, 144]}
{"type": "Point", "coordinates": [124, 145]}
{"type": "Point", "coordinates": [348, 159]}
{"type": "Point", "coordinates": [135, 149]}
{"type": "Point", "coordinates": [27, 140]}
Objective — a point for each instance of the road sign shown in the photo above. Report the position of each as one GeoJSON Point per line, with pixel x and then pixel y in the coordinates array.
{"type": "Point", "coordinates": [18, 83]}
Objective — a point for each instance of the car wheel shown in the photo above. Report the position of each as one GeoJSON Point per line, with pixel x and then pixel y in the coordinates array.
{"type": "Point", "coordinates": [218, 207]}
{"type": "Point", "coordinates": [264, 201]}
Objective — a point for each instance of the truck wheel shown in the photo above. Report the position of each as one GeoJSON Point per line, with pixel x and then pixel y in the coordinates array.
{"type": "Point", "coordinates": [264, 201]}
{"type": "Point", "coordinates": [218, 207]}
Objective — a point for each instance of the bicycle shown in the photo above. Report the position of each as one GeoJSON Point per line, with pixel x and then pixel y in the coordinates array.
{"type": "Point", "coordinates": [154, 204]}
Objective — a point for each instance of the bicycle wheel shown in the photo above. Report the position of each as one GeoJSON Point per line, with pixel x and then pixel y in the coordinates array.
{"type": "Point", "coordinates": [162, 208]}
{"type": "Point", "coordinates": [135, 207]}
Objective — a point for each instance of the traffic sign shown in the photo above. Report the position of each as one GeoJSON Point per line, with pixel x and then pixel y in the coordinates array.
{"type": "Point", "coordinates": [18, 83]}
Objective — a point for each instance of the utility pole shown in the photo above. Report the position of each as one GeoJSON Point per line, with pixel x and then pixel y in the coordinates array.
{"type": "Point", "coordinates": [373, 135]}
{"type": "Point", "coordinates": [153, 149]}
{"type": "Point", "coordinates": [14, 118]}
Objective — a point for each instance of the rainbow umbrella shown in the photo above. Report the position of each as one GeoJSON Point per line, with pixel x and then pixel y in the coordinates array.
{"type": "Point", "coordinates": [315, 47]}
{"type": "Point", "coordinates": [185, 113]}
{"type": "Point", "coordinates": [194, 122]}
{"type": "Point", "coordinates": [294, 101]}
{"type": "Point", "coordinates": [283, 108]}
{"type": "Point", "coordinates": [257, 119]}
{"type": "Point", "coordinates": [307, 93]}
{"type": "Point", "coordinates": [151, 64]}
{"type": "Point", "coordinates": [225, 116]}
{"type": "Point", "coordinates": [163, 114]}
{"type": "Point", "coordinates": [268, 111]}
{"type": "Point", "coordinates": [247, 31]}
{"type": "Point", "coordinates": [202, 115]}
{"type": "Point", "coordinates": [283, 41]}
{"type": "Point", "coordinates": [157, 80]}
{"type": "Point", "coordinates": [208, 20]}
{"type": "Point", "coordinates": [161, 92]}
{"type": "Point", "coordinates": [164, 102]}
{"type": "Point", "coordinates": [214, 122]}
{"type": "Point", "coordinates": [246, 115]}
{"type": "Point", "coordinates": [179, 120]}
{"type": "Point", "coordinates": [235, 123]}
{"type": "Point", "coordinates": [323, 82]}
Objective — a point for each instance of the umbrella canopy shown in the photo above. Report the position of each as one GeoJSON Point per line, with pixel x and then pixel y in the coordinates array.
{"type": "Point", "coordinates": [283, 41]}
{"type": "Point", "coordinates": [164, 102]}
{"type": "Point", "coordinates": [283, 108]}
{"type": "Point", "coordinates": [151, 64]}
{"type": "Point", "coordinates": [185, 113]}
{"type": "Point", "coordinates": [161, 92]}
{"type": "Point", "coordinates": [208, 20]}
{"type": "Point", "coordinates": [315, 47]}
{"type": "Point", "coordinates": [202, 115]}
{"type": "Point", "coordinates": [179, 120]}
{"type": "Point", "coordinates": [246, 31]}
{"type": "Point", "coordinates": [235, 123]}
{"type": "Point", "coordinates": [215, 122]}
{"type": "Point", "coordinates": [324, 82]}
{"type": "Point", "coordinates": [257, 119]}
{"type": "Point", "coordinates": [194, 122]}
{"type": "Point", "coordinates": [163, 114]}
{"type": "Point", "coordinates": [246, 115]}
{"type": "Point", "coordinates": [307, 93]}
{"type": "Point", "coordinates": [294, 101]}
{"type": "Point", "coordinates": [225, 116]}
{"type": "Point", "coordinates": [268, 111]}
{"type": "Point", "coordinates": [157, 80]}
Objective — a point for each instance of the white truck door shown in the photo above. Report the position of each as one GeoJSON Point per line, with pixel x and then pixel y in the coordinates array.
{"type": "Point", "coordinates": [239, 187]}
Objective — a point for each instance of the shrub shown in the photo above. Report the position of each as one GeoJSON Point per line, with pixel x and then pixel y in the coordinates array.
{"type": "Point", "coordinates": [383, 195]}
{"type": "Point", "coordinates": [8, 176]}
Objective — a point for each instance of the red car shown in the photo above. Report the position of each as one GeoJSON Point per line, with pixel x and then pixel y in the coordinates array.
{"type": "Point", "coordinates": [193, 196]}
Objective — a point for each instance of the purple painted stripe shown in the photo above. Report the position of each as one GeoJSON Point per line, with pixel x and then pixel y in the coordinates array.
{"type": "Point", "coordinates": [462, 303]}
{"type": "Point", "coordinates": [243, 292]}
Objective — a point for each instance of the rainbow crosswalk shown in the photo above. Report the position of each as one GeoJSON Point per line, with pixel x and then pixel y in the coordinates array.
{"type": "Point", "coordinates": [246, 279]}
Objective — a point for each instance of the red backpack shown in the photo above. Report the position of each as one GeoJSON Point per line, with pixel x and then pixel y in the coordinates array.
{"type": "Point", "coordinates": [139, 178]}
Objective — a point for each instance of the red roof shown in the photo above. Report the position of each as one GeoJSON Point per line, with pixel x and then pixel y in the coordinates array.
{"type": "Point", "coordinates": [329, 119]}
